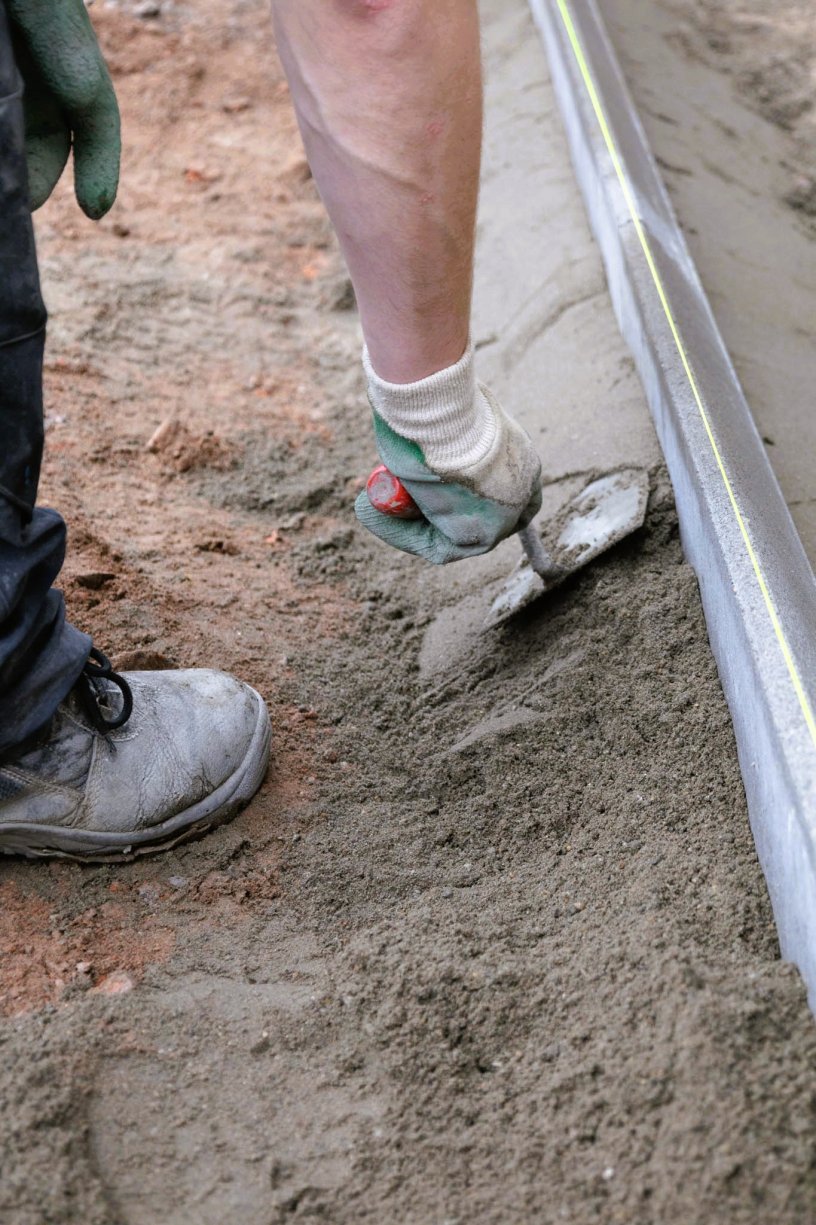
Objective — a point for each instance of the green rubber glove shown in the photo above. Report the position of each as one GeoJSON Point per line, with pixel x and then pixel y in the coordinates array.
{"type": "Point", "coordinates": [68, 101]}
{"type": "Point", "coordinates": [466, 512]}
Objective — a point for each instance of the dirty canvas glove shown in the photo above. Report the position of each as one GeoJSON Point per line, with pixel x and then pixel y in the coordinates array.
{"type": "Point", "coordinates": [68, 101]}
{"type": "Point", "coordinates": [470, 468]}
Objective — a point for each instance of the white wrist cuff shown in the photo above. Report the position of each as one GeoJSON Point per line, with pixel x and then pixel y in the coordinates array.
{"type": "Point", "coordinates": [446, 414]}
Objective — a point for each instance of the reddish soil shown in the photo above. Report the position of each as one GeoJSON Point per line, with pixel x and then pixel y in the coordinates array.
{"type": "Point", "coordinates": [152, 574]}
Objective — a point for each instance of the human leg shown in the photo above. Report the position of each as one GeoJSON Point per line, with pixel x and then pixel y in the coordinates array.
{"type": "Point", "coordinates": [389, 98]}
{"type": "Point", "coordinates": [91, 763]}
{"type": "Point", "coordinates": [388, 94]}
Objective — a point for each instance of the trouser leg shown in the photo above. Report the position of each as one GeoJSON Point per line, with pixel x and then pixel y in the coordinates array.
{"type": "Point", "coordinates": [41, 655]}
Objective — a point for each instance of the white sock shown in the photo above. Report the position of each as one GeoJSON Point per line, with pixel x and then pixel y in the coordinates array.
{"type": "Point", "coordinates": [449, 415]}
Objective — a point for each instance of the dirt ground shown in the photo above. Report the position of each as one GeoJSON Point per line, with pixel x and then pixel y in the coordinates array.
{"type": "Point", "coordinates": [492, 944]}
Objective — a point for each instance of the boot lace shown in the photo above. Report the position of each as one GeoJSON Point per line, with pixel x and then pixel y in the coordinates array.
{"type": "Point", "coordinates": [95, 697]}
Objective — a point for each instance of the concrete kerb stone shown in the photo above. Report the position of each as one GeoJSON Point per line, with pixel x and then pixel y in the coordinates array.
{"type": "Point", "coordinates": [776, 745]}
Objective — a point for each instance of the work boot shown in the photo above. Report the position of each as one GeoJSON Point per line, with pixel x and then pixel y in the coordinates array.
{"type": "Point", "coordinates": [134, 763]}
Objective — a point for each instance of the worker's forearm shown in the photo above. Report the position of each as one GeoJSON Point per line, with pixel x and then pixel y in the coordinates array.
{"type": "Point", "coordinates": [388, 95]}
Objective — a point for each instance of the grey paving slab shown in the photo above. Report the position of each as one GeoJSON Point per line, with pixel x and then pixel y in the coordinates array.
{"type": "Point", "coordinates": [757, 263]}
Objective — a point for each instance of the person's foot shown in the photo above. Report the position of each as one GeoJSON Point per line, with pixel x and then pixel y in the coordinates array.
{"type": "Point", "coordinates": [135, 763]}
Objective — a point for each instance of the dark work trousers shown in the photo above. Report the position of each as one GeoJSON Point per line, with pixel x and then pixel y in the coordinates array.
{"type": "Point", "coordinates": [41, 656]}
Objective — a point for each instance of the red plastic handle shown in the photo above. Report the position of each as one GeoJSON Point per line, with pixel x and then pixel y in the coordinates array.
{"type": "Point", "coordinates": [387, 494]}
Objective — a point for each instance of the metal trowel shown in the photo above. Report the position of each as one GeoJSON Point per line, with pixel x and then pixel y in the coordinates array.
{"type": "Point", "coordinates": [606, 511]}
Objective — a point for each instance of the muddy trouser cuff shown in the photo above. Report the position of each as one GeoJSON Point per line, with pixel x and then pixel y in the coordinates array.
{"type": "Point", "coordinates": [41, 656]}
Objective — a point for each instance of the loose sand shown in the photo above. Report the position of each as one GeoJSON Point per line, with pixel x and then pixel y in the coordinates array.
{"type": "Point", "coordinates": [492, 945]}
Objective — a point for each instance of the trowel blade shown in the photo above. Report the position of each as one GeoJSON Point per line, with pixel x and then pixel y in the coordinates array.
{"type": "Point", "coordinates": [602, 514]}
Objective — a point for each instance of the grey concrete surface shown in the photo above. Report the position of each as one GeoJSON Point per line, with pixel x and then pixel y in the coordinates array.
{"type": "Point", "coordinates": [721, 164]}
{"type": "Point", "coordinates": [544, 324]}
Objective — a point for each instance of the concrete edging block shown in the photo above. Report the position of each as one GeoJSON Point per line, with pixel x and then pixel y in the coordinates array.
{"type": "Point", "coordinates": [757, 586]}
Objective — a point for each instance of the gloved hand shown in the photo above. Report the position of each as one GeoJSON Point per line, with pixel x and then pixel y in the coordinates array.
{"type": "Point", "coordinates": [68, 100]}
{"type": "Point", "coordinates": [469, 467]}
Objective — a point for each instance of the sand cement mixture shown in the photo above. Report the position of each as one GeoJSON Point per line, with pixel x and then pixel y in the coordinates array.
{"type": "Point", "coordinates": [492, 944]}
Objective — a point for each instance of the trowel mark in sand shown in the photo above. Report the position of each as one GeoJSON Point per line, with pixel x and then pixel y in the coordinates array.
{"type": "Point", "coordinates": [508, 720]}
{"type": "Point", "coordinates": [495, 725]}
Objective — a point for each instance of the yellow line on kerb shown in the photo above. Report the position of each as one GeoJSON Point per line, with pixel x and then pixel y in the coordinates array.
{"type": "Point", "coordinates": [661, 293]}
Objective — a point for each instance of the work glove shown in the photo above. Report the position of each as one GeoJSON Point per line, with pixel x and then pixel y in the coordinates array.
{"type": "Point", "coordinates": [471, 469]}
{"type": "Point", "coordinates": [68, 101]}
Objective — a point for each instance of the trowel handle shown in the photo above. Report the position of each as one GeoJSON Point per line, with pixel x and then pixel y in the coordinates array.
{"type": "Point", "coordinates": [388, 495]}
{"type": "Point", "coordinates": [537, 555]}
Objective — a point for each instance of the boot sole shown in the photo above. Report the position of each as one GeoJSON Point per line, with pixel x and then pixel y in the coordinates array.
{"type": "Point", "coordinates": [56, 842]}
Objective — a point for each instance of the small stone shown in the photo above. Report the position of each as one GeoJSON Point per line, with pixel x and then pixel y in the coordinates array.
{"type": "Point", "coordinates": [233, 105]}
{"type": "Point", "coordinates": [260, 1044]}
{"type": "Point", "coordinates": [118, 982]}
{"type": "Point", "coordinates": [177, 882]}
{"type": "Point", "coordinates": [163, 435]}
